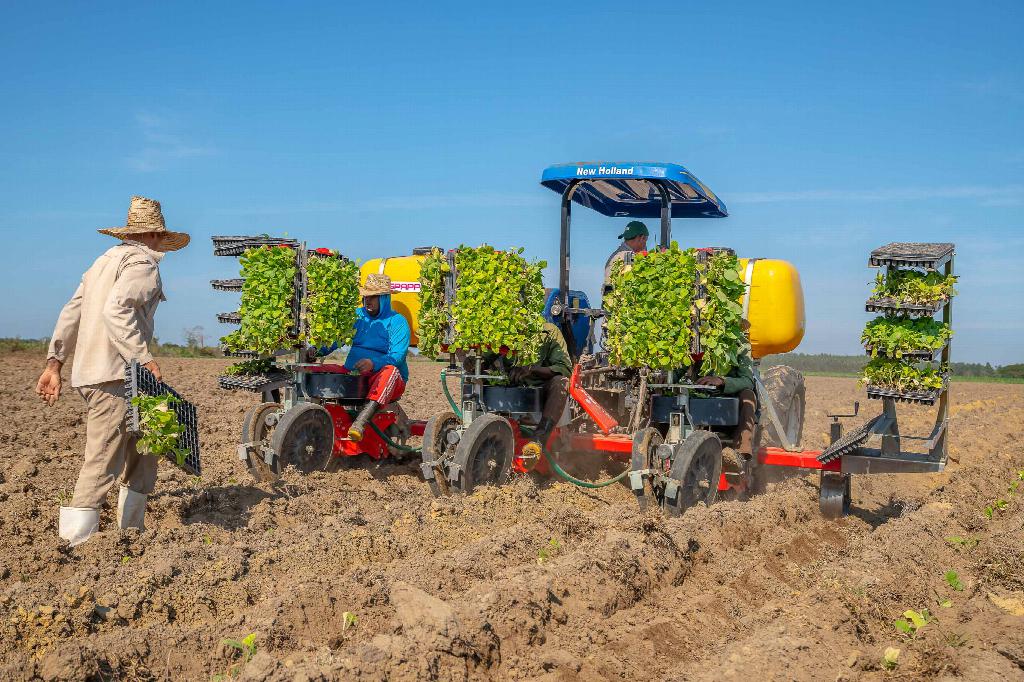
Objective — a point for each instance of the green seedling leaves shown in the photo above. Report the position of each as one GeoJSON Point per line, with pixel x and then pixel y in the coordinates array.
{"type": "Point", "coordinates": [890, 659]}
{"type": "Point", "coordinates": [159, 427]}
{"type": "Point", "coordinates": [895, 336]}
{"type": "Point", "coordinates": [348, 620]}
{"type": "Point", "coordinates": [332, 297]}
{"type": "Point", "coordinates": [498, 303]}
{"type": "Point", "coordinates": [549, 551]}
{"type": "Point", "coordinates": [912, 287]}
{"type": "Point", "coordinates": [250, 367]}
{"type": "Point", "coordinates": [901, 376]}
{"type": "Point", "coordinates": [958, 541]}
{"type": "Point", "coordinates": [953, 580]}
{"type": "Point", "coordinates": [268, 293]}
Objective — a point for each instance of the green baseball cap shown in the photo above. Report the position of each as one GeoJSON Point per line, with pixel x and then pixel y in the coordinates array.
{"type": "Point", "coordinates": [635, 228]}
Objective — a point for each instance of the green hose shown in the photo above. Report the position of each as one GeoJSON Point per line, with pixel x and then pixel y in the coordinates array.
{"type": "Point", "coordinates": [391, 443]}
{"type": "Point", "coordinates": [448, 394]}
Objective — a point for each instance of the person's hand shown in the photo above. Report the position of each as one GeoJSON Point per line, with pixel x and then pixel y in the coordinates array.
{"type": "Point", "coordinates": [154, 370]}
{"type": "Point", "coordinates": [714, 382]}
{"type": "Point", "coordinates": [364, 366]}
{"type": "Point", "coordinates": [49, 384]}
{"type": "Point", "coordinates": [311, 354]}
{"type": "Point", "coordinates": [517, 375]}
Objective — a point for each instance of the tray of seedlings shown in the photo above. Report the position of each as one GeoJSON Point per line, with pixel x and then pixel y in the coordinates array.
{"type": "Point", "coordinates": [254, 375]}
{"type": "Point", "coordinates": [166, 424]}
{"type": "Point", "coordinates": [928, 256]}
{"type": "Point", "coordinates": [236, 246]}
{"type": "Point", "coordinates": [227, 284]}
{"type": "Point", "coordinates": [902, 337]}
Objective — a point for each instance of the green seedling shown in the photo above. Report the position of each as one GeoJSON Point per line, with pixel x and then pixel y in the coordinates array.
{"type": "Point", "coordinates": [125, 559]}
{"type": "Point", "coordinates": [348, 620]}
{"type": "Point", "coordinates": [246, 648]}
{"type": "Point", "coordinates": [267, 296]}
{"type": "Point", "coordinates": [332, 296]}
{"type": "Point", "coordinates": [890, 658]}
{"type": "Point", "coordinates": [159, 427]}
{"type": "Point", "coordinates": [914, 287]}
{"type": "Point", "coordinates": [250, 367]}
{"type": "Point", "coordinates": [64, 496]}
{"type": "Point", "coordinates": [998, 505]}
{"type": "Point", "coordinates": [953, 580]}
{"type": "Point", "coordinates": [893, 337]}
{"type": "Point", "coordinates": [913, 621]}
{"type": "Point", "coordinates": [548, 551]}
{"type": "Point", "coordinates": [901, 376]}
{"type": "Point", "coordinates": [958, 541]}
{"type": "Point", "coordinates": [499, 303]}
{"type": "Point", "coordinates": [207, 540]}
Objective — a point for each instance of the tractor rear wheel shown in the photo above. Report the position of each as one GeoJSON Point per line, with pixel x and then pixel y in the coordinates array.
{"type": "Point", "coordinates": [440, 438]}
{"type": "Point", "coordinates": [786, 390]}
{"type": "Point", "coordinates": [696, 471]}
{"type": "Point", "coordinates": [484, 454]}
{"type": "Point", "coordinates": [257, 429]}
{"type": "Point", "coordinates": [304, 438]}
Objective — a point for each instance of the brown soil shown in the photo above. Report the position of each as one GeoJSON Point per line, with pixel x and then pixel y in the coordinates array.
{"type": "Point", "coordinates": [537, 580]}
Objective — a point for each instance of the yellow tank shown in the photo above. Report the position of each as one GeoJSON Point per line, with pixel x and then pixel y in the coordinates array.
{"type": "Point", "coordinates": [404, 272]}
{"type": "Point", "coordinates": [775, 308]}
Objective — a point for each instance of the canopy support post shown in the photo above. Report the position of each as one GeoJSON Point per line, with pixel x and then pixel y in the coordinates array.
{"type": "Point", "coordinates": [666, 215]}
{"type": "Point", "coordinates": [563, 268]}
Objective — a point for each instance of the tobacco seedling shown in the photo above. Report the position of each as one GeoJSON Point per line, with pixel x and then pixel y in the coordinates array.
{"type": "Point", "coordinates": [890, 658]}
{"type": "Point", "coordinates": [914, 287]}
{"type": "Point", "coordinates": [348, 620]}
{"type": "Point", "coordinates": [998, 505]}
{"type": "Point", "coordinates": [159, 427]}
{"type": "Point", "coordinates": [958, 541]}
{"type": "Point", "coordinates": [913, 621]}
{"type": "Point", "coordinates": [246, 648]}
{"type": "Point", "coordinates": [953, 580]}
{"type": "Point", "coordinates": [901, 376]}
{"type": "Point", "coordinates": [268, 294]}
{"type": "Point", "coordinates": [332, 296]}
{"type": "Point", "coordinates": [549, 551]}
{"type": "Point", "coordinates": [892, 337]}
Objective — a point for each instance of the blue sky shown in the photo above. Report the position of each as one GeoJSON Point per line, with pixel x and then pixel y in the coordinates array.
{"type": "Point", "coordinates": [827, 129]}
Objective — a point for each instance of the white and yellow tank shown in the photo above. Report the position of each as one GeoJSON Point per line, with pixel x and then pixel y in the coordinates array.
{"type": "Point", "coordinates": [404, 272]}
{"type": "Point", "coordinates": [774, 305]}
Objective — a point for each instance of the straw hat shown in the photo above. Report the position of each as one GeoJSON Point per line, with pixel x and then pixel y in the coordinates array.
{"type": "Point", "coordinates": [376, 285]}
{"type": "Point", "coordinates": [144, 217]}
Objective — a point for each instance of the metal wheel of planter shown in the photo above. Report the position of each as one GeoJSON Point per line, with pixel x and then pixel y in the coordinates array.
{"type": "Point", "coordinates": [834, 494]}
{"type": "Point", "coordinates": [440, 439]}
{"type": "Point", "coordinates": [304, 438]}
{"type": "Point", "coordinates": [257, 427]}
{"type": "Point", "coordinates": [785, 388]}
{"type": "Point", "coordinates": [484, 454]}
{"type": "Point", "coordinates": [696, 470]}
{"type": "Point", "coordinates": [645, 443]}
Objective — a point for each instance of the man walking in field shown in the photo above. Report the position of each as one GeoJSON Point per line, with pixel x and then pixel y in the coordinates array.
{"type": "Point", "coordinates": [106, 324]}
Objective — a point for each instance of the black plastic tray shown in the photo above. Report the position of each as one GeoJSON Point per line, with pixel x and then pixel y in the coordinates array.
{"type": "Point", "coordinates": [915, 356]}
{"type": "Point", "coordinates": [236, 246]}
{"type": "Point", "coordinates": [227, 284]}
{"type": "Point", "coordinates": [890, 306]}
{"type": "Point", "coordinates": [140, 381]}
{"type": "Point", "coordinates": [848, 442]}
{"type": "Point", "coordinates": [253, 382]}
{"type": "Point", "coordinates": [918, 397]}
{"type": "Point", "coordinates": [928, 255]}
{"type": "Point", "coordinates": [230, 318]}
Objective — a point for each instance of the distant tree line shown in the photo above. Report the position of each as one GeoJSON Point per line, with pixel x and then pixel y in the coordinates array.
{"type": "Point", "coordinates": [852, 364]}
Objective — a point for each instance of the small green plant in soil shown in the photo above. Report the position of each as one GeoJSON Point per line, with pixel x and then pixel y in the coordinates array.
{"type": "Point", "coordinates": [890, 659]}
{"type": "Point", "coordinates": [952, 579]}
{"type": "Point", "coordinates": [159, 427]}
{"type": "Point", "coordinates": [349, 620]}
{"type": "Point", "coordinates": [244, 649]}
{"type": "Point", "coordinates": [900, 376]}
{"type": "Point", "coordinates": [997, 506]}
{"type": "Point", "coordinates": [913, 622]}
{"type": "Point", "coordinates": [913, 287]}
{"type": "Point", "coordinates": [549, 551]}
{"type": "Point", "coordinates": [893, 337]}
{"type": "Point", "coordinates": [957, 541]}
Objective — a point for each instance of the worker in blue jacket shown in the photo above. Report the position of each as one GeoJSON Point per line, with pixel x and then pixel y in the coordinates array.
{"type": "Point", "coordinates": [379, 348]}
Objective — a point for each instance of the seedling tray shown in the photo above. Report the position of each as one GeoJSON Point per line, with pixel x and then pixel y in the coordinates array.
{"type": "Point", "coordinates": [238, 353]}
{"type": "Point", "coordinates": [889, 306]}
{"type": "Point", "coordinates": [254, 382]}
{"type": "Point", "coordinates": [929, 256]}
{"type": "Point", "coordinates": [227, 284]}
{"type": "Point", "coordinates": [918, 397]}
{"type": "Point", "coordinates": [140, 381]}
{"type": "Point", "coordinates": [236, 246]}
{"type": "Point", "coordinates": [230, 318]}
{"type": "Point", "coordinates": [912, 356]}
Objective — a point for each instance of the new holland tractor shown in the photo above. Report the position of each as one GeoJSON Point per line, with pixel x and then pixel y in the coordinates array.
{"type": "Point", "coordinates": [669, 430]}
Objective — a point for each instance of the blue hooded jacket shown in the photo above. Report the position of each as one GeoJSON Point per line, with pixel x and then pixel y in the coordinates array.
{"type": "Point", "coordinates": [383, 339]}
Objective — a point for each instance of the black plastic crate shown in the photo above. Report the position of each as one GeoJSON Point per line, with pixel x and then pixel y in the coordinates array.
{"type": "Point", "coordinates": [888, 306]}
{"type": "Point", "coordinates": [703, 411]}
{"type": "Point", "coordinates": [227, 284]}
{"type": "Point", "coordinates": [254, 382]}
{"type": "Point", "coordinates": [140, 381]}
{"type": "Point", "coordinates": [927, 255]}
{"type": "Point", "coordinates": [512, 399]}
{"type": "Point", "coordinates": [236, 246]}
{"type": "Point", "coordinates": [929, 397]}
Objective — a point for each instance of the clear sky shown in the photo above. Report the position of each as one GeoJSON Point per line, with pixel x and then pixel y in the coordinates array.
{"type": "Point", "coordinates": [827, 128]}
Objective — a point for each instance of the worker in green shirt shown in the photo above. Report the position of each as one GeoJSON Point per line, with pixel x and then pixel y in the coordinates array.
{"type": "Point", "coordinates": [740, 382]}
{"type": "Point", "coordinates": [551, 371]}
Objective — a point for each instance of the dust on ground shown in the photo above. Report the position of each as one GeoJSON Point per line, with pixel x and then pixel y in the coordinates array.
{"type": "Point", "coordinates": [362, 574]}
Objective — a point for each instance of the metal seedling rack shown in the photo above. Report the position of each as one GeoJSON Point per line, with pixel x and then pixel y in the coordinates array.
{"type": "Point", "coordinates": [140, 381]}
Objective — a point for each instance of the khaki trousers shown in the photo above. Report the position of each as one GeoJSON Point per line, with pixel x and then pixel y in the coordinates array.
{"type": "Point", "coordinates": [110, 448]}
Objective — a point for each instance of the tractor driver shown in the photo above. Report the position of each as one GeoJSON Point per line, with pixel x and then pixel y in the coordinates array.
{"type": "Point", "coordinates": [551, 371]}
{"type": "Point", "coordinates": [379, 348]}
{"type": "Point", "coordinates": [634, 240]}
{"type": "Point", "coordinates": [739, 382]}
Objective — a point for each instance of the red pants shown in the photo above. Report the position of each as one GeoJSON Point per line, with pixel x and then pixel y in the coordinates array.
{"type": "Point", "coordinates": [386, 384]}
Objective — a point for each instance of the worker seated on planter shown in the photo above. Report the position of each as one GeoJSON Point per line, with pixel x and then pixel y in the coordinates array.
{"type": "Point", "coordinates": [379, 347]}
{"type": "Point", "coordinates": [551, 371]}
{"type": "Point", "coordinates": [739, 382]}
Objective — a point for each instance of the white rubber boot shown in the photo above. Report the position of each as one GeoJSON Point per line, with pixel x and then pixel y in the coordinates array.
{"type": "Point", "coordinates": [77, 524]}
{"type": "Point", "coordinates": [131, 508]}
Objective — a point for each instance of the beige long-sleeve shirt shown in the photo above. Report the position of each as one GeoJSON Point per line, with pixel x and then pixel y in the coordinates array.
{"type": "Point", "coordinates": [109, 320]}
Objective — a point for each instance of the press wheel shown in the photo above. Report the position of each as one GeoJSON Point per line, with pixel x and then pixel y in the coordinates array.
{"type": "Point", "coordinates": [440, 439]}
{"type": "Point", "coordinates": [696, 471]}
{"type": "Point", "coordinates": [834, 494]}
{"type": "Point", "coordinates": [645, 442]}
{"type": "Point", "coordinates": [484, 454]}
{"type": "Point", "coordinates": [304, 438]}
{"type": "Point", "coordinates": [256, 429]}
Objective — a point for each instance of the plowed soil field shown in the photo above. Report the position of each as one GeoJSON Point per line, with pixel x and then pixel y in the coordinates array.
{"type": "Point", "coordinates": [362, 574]}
